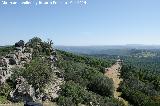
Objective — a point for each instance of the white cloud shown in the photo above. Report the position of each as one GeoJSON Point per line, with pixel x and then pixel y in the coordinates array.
{"type": "Point", "coordinates": [14, 2]}
{"type": "Point", "coordinates": [71, 2]}
{"type": "Point", "coordinates": [40, 2]}
{"type": "Point", "coordinates": [66, 3]}
{"type": "Point", "coordinates": [53, 2]}
{"type": "Point", "coordinates": [4, 2]}
{"type": "Point", "coordinates": [46, 2]}
{"type": "Point", "coordinates": [26, 2]}
{"type": "Point", "coordinates": [85, 2]}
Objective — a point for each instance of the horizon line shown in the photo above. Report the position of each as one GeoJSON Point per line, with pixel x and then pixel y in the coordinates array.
{"type": "Point", "coordinates": [112, 45]}
{"type": "Point", "coordinates": [100, 45]}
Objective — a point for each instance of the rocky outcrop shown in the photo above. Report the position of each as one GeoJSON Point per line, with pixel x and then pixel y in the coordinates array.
{"type": "Point", "coordinates": [17, 58]}
{"type": "Point", "coordinates": [52, 89]}
{"type": "Point", "coordinates": [5, 69]}
{"type": "Point", "coordinates": [23, 91]}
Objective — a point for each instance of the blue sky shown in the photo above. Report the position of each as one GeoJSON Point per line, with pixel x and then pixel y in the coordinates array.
{"type": "Point", "coordinates": [99, 22]}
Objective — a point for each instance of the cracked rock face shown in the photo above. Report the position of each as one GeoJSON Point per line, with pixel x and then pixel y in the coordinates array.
{"type": "Point", "coordinates": [4, 70]}
{"type": "Point", "coordinates": [52, 89]}
{"type": "Point", "coordinates": [23, 91]}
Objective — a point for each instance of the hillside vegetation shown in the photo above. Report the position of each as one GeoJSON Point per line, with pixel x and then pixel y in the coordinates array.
{"type": "Point", "coordinates": [141, 84]}
{"type": "Point", "coordinates": [80, 79]}
{"type": "Point", "coordinates": [85, 82]}
{"type": "Point", "coordinates": [35, 71]}
{"type": "Point", "coordinates": [141, 77]}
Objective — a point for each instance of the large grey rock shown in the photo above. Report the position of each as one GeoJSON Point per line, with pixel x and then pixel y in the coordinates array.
{"type": "Point", "coordinates": [23, 91]}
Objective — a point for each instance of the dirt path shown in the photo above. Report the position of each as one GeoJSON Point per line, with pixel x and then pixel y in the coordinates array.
{"type": "Point", "coordinates": [114, 73]}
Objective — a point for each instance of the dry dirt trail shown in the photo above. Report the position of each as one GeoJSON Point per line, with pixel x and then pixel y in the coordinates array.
{"type": "Point", "coordinates": [114, 73]}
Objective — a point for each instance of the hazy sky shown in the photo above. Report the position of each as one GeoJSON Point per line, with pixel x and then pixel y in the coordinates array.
{"type": "Point", "coordinates": [99, 22]}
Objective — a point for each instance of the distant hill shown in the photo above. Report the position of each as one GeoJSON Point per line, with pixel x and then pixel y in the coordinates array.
{"type": "Point", "coordinates": [121, 50]}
